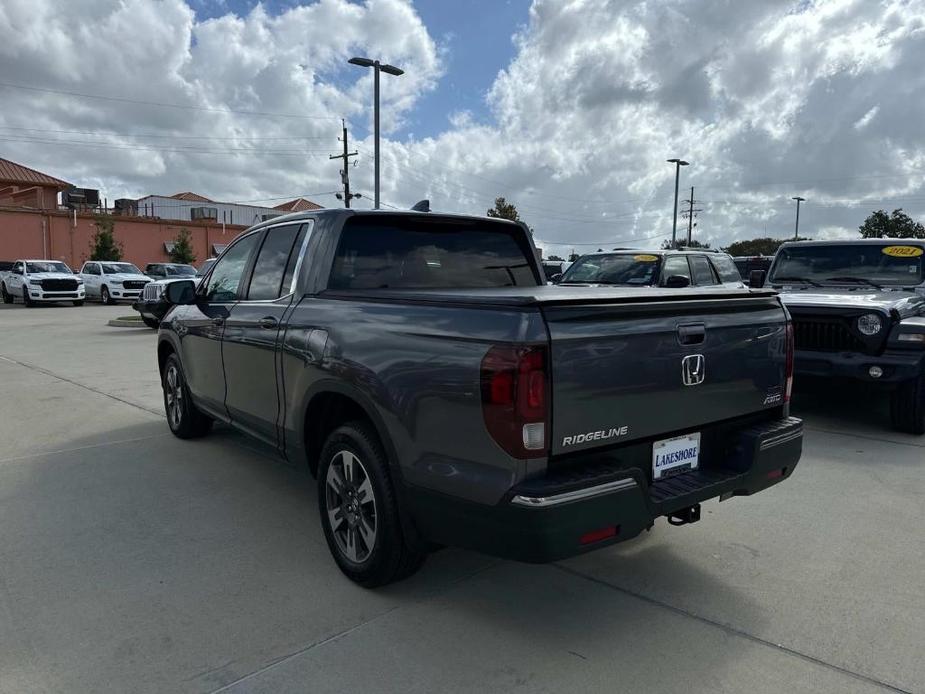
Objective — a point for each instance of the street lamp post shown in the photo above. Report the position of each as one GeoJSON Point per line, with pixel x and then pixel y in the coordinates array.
{"type": "Point", "coordinates": [377, 68]}
{"type": "Point", "coordinates": [677, 177]}
{"type": "Point", "coordinates": [796, 228]}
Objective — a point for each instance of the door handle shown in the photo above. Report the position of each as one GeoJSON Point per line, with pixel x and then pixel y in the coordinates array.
{"type": "Point", "coordinates": [693, 334]}
{"type": "Point", "coordinates": [269, 322]}
{"type": "Point", "coordinates": [218, 321]}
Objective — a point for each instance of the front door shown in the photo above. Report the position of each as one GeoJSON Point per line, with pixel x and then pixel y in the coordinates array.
{"type": "Point", "coordinates": [91, 275]}
{"type": "Point", "coordinates": [200, 326]}
{"type": "Point", "coordinates": [250, 350]}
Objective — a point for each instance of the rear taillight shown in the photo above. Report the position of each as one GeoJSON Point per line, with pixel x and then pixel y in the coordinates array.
{"type": "Point", "coordinates": [788, 368]}
{"type": "Point", "coordinates": [515, 401]}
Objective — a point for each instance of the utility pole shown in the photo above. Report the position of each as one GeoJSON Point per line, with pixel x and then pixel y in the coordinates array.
{"type": "Point", "coordinates": [796, 228]}
{"type": "Point", "coordinates": [677, 177]}
{"type": "Point", "coordinates": [345, 172]}
{"type": "Point", "coordinates": [690, 213]}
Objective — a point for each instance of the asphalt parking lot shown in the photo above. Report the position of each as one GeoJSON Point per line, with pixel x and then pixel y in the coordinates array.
{"type": "Point", "coordinates": [131, 561]}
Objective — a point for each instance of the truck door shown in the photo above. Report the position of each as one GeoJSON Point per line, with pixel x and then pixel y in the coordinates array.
{"type": "Point", "coordinates": [15, 280]}
{"type": "Point", "coordinates": [91, 275]}
{"type": "Point", "coordinates": [250, 344]}
{"type": "Point", "coordinates": [200, 325]}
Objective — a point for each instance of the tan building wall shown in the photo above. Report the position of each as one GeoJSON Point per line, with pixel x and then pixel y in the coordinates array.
{"type": "Point", "coordinates": [64, 236]}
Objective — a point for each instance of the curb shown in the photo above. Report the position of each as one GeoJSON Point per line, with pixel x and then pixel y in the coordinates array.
{"type": "Point", "coordinates": [126, 323]}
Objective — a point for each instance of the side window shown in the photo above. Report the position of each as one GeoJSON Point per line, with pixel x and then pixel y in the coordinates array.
{"type": "Point", "coordinates": [92, 269]}
{"type": "Point", "coordinates": [675, 265]}
{"type": "Point", "coordinates": [17, 268]}
{"type": "Point", "coordinates": [294, 256]}
{"type": "Point", "coordinates": [726, 268]}
{"type": "Point", "coordinates": [703, 273]}
{"type": "Point", "coordinates": [229, 271]}
{"type": "Point", "coordinates": [267, 279]}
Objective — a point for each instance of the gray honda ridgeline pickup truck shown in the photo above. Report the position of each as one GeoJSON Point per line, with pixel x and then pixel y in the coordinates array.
{"type": "Point", "coordinates": [443, 394]}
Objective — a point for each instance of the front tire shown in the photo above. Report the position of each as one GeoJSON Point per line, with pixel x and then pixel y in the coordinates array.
{"type": "Point", "coordinates": [25, 298]}
{"type": "Point", "coordinates": [105, 297]}
{"type": "Point", "coordinates": [183, 417]}
{"type": "Point", "coordinates": [79, 302]}
{"type": "Point", "coordinates": [907, 407]}
{"type": "Point", "coordinates": [359, 510]}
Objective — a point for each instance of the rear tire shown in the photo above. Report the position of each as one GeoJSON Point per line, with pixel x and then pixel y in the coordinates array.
{"type": "Point", "coordinates": [105, 297]}
{"type": "Point", "coordinates": [7, 297]}
{"type": "Point", "coordinates": [359, 509]}
{"type": "Point", "coordinates": [183, 417]}
{"type": "Point", "coordinates": [907, 407]}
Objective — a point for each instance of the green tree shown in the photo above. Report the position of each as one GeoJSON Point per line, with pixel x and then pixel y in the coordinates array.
{"type": "Point", "coordinates": [760, 246]}
{"type": "Point", "coordinates": [573, 257]}
{"type": "Point", "coordinates": [504, 210]}
{"type": "Point", "coordinates": [682, 243]}
{"type": "Point", "coordinates": [555, 257]}
{"type": "Point", "coordinates": [103, 245]}
{"type": "Point", "coordinates": [897, 225]}
{"type": "Point", "coordinates": [182, 251]}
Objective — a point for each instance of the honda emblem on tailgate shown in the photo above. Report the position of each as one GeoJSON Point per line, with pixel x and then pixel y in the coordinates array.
{"type": "Point", "coordinates": [693, 369]}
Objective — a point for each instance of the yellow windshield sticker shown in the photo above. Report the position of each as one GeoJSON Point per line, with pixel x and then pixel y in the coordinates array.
{"type": "Point", "coordinates": [645, 258]}
{"type": "Point", "coordinates": [903, 251]}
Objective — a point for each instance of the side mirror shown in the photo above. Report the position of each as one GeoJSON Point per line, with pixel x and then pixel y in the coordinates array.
{"type": "Point", "coordinates": [677, 282]}
{"type": "Point", "coordinates": [556, 278]}
{"type": "Point", "coordinates": [181, 292]}
{"type": "Point", "coordinates": [17, 270]}
{"type": "Point", "coordinates": [756, 279]}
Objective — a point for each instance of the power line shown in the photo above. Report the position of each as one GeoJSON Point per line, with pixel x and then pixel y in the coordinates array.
{"type": "Point", "coordinates": [148, 148]}
{"type": "Point", "coordinates": [98, 133]}
{"type": "Point", "coordinates": [139, 102]}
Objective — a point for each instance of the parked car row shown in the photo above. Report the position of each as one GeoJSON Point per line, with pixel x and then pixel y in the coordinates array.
{"type": "Point", "coordinates": [47, 281]}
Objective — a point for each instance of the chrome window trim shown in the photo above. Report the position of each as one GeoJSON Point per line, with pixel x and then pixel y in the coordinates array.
{"type": "Point", "coordinates": [298, 265]}
{"type": "Point", "coordinates": [576, 495]}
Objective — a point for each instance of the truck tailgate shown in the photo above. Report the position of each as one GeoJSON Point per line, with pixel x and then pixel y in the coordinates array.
{"type": "Point", "coordinates": [618, 371]}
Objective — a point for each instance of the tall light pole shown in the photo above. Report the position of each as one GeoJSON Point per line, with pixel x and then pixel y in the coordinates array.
{"type": "Point", "coordinates": [796, 228]}
{"type": "Point", "coordinates": [377, 68]}
{"type": "Point", "coordinates": [677, 177]}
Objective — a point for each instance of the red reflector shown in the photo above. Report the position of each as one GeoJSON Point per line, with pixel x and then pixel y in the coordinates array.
{"type": "Point", "coordinates": [776, 474]}
{"type": "Point", "coordinates": [598, 535]}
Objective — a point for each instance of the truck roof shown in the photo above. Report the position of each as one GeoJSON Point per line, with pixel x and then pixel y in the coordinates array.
{"type": "Point", "coordinates": [841, 242]}
{"type": "Point", "coordinates": [334, 212]}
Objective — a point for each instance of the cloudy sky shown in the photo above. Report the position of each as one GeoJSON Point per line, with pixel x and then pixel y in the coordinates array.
{"type": "Point", "coordinates": [568, 108]}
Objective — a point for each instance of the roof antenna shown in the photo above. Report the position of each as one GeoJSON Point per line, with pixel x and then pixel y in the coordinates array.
{"type": "Point", "coordinates": [421, 206]}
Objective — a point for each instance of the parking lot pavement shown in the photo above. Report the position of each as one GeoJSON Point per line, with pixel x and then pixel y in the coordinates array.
{"type": "Point", "coordinates": [132, 561]}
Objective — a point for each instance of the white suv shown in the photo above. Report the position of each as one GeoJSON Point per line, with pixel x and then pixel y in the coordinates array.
{"type": "Point", "coordinates": [110, 281]}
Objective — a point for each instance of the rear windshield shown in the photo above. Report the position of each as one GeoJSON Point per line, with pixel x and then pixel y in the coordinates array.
{"type": "Point", "coordinates": [890, 263]}
{"type": "Point", "coordinates": [638, 269]}
{"type": "Point", "coordinates": [432, 253]}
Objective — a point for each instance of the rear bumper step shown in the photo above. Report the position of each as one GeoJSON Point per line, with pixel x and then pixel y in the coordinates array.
{"type": "Point", "coordinates": [585, 507]}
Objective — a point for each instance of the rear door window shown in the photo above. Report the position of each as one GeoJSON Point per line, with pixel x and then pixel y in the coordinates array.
{"type": "Point", "coordinates": [267, 278]}
{"type": "Point", "coordinates": [703, 272]}
{"type": "Point", "coordinates": [434, 252]}
{"type": "Point", "coordinates": [676, 265]}
{"type": "Point", "coordinates": [726, 268]}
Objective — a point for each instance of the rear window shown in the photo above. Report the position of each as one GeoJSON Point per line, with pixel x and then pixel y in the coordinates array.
{"type": "Point", "coordinates": [619, 268]}
{"type": "Point", "coordinates": [431, 253]}
{"type": "Point", "coordinates": [727, 269]}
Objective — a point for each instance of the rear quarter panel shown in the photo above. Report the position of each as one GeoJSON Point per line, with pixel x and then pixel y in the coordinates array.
{"type": "Point", "coordinates": [418, 366]}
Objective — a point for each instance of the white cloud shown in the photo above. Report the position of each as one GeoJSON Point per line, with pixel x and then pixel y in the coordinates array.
{"type": "Point", "coordinates": [766, 100]}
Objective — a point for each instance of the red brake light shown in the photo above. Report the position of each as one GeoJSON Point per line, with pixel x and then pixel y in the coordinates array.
{"type": "Point", "coordinates": [598, 535]}
{"type": "Point", "coordinates": [788, 369]}
{"type": "Point", "coordinates": [514, 402]}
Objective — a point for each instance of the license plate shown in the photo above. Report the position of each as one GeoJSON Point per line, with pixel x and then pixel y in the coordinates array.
{"type": "Point", "coordinates": [672, 456]}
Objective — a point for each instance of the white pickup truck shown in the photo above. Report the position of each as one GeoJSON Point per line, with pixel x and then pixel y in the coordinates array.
{"type": "Point", "coordinates": [111, 281]}
{"type": "Point", "coordinates": [41, 281]}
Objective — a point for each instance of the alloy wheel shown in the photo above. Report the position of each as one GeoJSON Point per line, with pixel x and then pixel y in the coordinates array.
{"type": "Point", "coordinates": [351, 507]}
{"type": "Point", "coordinates": [173, 392]}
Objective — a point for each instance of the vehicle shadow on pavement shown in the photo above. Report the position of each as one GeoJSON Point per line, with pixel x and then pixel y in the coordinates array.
{"type": "Point", "coordinates": [855, 406]}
